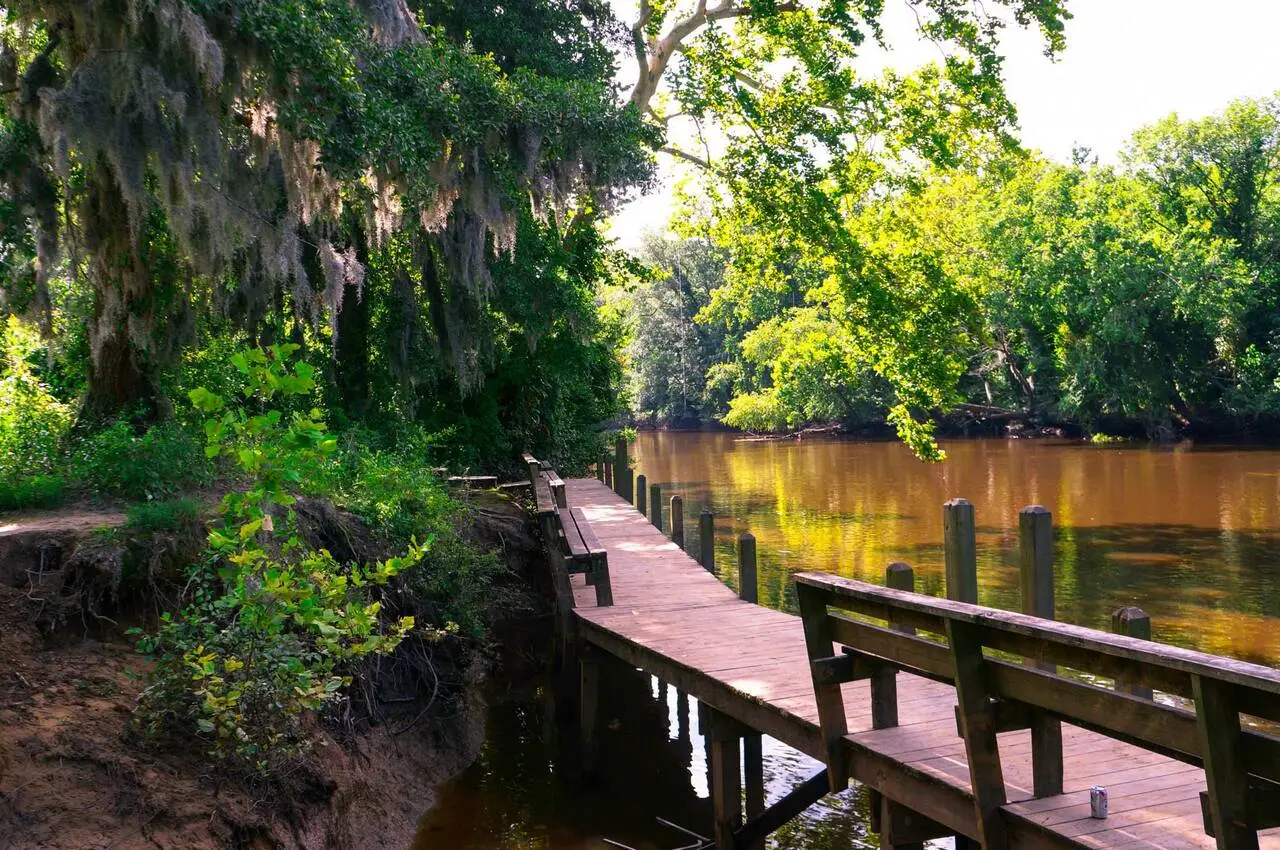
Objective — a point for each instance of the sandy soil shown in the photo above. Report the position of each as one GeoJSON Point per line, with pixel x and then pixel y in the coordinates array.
{"type": "Point", "coordinates": [71, 777]}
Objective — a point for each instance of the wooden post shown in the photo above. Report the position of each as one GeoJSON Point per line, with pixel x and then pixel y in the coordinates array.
{"type": "Point", "coordinates": [1035, 533]}
{"type": "Point", "coordinates": [707, 540]}
{"type": "Point", "coordinates": [677, 520]}
{"type": "Point", "coordinates": [752, 744]}
{"type": "Point", "coordinates": [884, 683]}
{"type": "Point", "coordinates": [655, 505]}
{"type": "Point", "coordinates": [977, 725]}
{"type": "Point", "coordinates": [819, 642]}
{"type": "Point", "coordinates": [588, 717]}
{"type": "Point", "coordinates": [620, 462]}
{"type": "Point", "coordinates": [642, 495]}
{"type": "Point", "coordinates": [1222, 747]}
{"type": "Point", "coordinates": [600, 470]}
{"type": "Point", "coordinates": [608, 474]}
{"type": "Point", "coordinates": [626, 483]}
{"type": "Point", "coordinates": [747, 589]}
{"type": "Point", "coordinates": [726, 791]}
{"type": "Point", "coordinates": [960, 547]}
{"type": "Point", "coordinates": [1135, 623]}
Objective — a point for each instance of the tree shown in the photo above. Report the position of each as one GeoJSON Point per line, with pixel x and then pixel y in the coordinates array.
{"type": "Point", "coordinates": [803, 141]}
{"type": "Point", "coordinates": [669, 353]}
{"type": "Point", "coordinates": [257, 155]}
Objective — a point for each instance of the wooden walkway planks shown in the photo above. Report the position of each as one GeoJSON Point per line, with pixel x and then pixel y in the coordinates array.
{"type": "Point", "coordinates": [674, 619]}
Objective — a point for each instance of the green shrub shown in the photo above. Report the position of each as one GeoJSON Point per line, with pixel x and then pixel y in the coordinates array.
{"type": "Point", "coordinates": [165, 515]}
{"type": "Point", "coordinates": [121, 461]}
{"type": "Point", "coordinates": [32, 421]}
{"type": "Point", "coordinates": [38, 491]}
{"type": "Point", "coordinates": [274, 627]}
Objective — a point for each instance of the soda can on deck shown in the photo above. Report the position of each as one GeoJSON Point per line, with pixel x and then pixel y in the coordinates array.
{"type": "Point", "coordinates": [1098, 802]}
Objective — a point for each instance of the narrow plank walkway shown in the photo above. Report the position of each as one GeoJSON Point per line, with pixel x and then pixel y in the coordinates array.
{"type": "Point", "coordinates": [677, 621]}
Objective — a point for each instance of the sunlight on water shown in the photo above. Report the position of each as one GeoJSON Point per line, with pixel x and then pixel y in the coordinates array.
{"type": "Point", "coordinates": [1191, 535]}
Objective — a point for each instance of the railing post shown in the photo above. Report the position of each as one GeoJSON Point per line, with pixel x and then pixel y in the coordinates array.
{"type": "Point", "coordinates": [752, 744]}
{"type": "Point", "coordinates": [1035, 533]}
{"type": "Point", "coordinates": [884, 684]}
{"type": "Point", "coordinates": [608, 474]}
{"type": "Point", "coordinates": [677, 520]}
{"type": "Point", "coordinates": [960, 546]}
{"type": "Point", "coordinates": [600, 469]}
{"type": "Point", "coordinates": [642, 495]}
{"type": "Point", "coordinates": [707, 540]}
{"type": "Point", "coordinates": [655, 505]}
{"type": "Point", "coordinates": [1132, 622]}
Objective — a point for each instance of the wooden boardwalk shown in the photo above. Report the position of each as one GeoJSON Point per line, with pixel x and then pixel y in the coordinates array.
{"type": "Point", "coordinates": [675, 620]}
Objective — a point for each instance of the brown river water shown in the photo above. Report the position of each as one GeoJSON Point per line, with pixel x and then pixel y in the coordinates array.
{"type": "Point", "coordinates": [1189, 533]}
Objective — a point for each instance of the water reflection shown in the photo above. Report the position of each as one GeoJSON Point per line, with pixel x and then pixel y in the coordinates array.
{"type": "Point", "coordinates": [526, 793]}
{"type": "Point", "coordinates": [1189, 534]}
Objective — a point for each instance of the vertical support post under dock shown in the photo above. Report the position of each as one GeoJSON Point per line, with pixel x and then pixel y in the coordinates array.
{"type": "Point", "coordinates": [723, 734]}
{"type": "Point", "coordinates": [1035, 533]}
{"type": "Point", "coordinates": [589, 711]}
{"type": "Point", "coordinates": [622, 468]}
{"type": "Point", "coordinates": [655, 505]}
{"type": "Point", "coordinates": [642, 495]}
{"type": "Point", "coordinates": [752, 743]}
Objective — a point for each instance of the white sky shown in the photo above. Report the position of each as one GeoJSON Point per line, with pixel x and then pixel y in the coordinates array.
{"type": "Point", "coordinates": [1127, 64]}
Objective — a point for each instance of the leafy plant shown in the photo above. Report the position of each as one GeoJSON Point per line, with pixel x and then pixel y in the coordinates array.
{"type": "Point", "coordinates": [33, 422]}
{"type": "Point", "coordinates": [274, 626]}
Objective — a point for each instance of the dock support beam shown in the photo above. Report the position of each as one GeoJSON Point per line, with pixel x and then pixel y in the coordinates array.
{"type": "Point", "coordinates": [723, 735]}
{"type": "Point", "coordinates": [752, 743]}
{"type": "Point", "coordinates": [642, 495]}
{"type": "Point", "coordinates": [589, 711]}
{"type": "Point", "coordinates": [655, 505]}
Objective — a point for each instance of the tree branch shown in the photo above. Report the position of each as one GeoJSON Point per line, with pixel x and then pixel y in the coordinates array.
{"type": "Point", "coordinates": [686, 156]}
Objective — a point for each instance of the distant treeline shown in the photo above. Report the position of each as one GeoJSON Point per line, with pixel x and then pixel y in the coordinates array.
{"type": "Point", "coordinates": [1142, 297]}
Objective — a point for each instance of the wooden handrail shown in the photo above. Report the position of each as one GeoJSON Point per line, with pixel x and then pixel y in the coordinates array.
{"type": "Point", "coordinates": [1026, 634]}
{"type": "Point", "coordinates": [1242, 765]}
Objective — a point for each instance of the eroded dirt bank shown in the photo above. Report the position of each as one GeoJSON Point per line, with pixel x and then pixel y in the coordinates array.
{"type": "Point", "coordinates": [73, 773]}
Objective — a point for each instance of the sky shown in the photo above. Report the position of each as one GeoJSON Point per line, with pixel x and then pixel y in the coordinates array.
{"type": "Point", "coordinates": [1128, 63]}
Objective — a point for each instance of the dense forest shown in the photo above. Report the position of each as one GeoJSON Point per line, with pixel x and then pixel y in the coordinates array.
{"type": "Point", "coordinates": [1137, 298]}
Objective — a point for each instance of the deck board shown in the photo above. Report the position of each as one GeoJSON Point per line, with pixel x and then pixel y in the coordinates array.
{"type": "Point", "coordinates": [679, 621]}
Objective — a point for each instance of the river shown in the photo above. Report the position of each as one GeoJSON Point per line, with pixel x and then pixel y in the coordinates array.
{"type": "Point", "coordinates": [1191, 534]}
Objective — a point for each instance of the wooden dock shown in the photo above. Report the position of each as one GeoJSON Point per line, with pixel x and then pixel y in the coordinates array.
{"type": "Point", "coordinates": [893, 717]}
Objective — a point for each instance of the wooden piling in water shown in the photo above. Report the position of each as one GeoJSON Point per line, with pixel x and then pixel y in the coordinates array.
{"type": "Point", "coordinates": [677, 520]}
{"type": "Point", "coordinates": [752, 744]}
{"type": "Point", "coordinates": [655, 505]}
{"type": "Point", "coordinates": [622, 469]}
{"type": "Point", "coordinates": [642, 495]}
{"type": "Point", "coordinates": [707, 540]}
{"type": "Point", "coordinates": [1035, 543]}
{"type": "Point", "coordinates": [960, 550]}
{"type": "Point", "coordinates": [1132, 622]}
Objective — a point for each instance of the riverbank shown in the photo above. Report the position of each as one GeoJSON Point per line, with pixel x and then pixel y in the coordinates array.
{"type": "Point", "coordinates": [75, 773]}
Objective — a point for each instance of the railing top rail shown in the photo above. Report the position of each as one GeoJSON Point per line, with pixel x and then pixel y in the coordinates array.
{"type": "Point", "coordinates": [873, 599]}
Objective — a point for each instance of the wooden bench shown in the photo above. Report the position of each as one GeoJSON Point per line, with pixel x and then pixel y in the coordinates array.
{"type": "Point", "coordinates": [954, 642]}
{"type": "Point", "coordinates": [584, 554]}
{"type": "Point", "coordinates": [572, 547]}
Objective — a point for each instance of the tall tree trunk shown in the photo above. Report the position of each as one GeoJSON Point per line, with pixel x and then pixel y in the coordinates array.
{"type": "Point", "coordinates": [351, 353]}
{"type": "Point", "coordinates": [122, 376]}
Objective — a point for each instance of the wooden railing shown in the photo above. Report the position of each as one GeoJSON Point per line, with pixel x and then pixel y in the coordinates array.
{"type": "Point", "coordinates": [962, 644]}
{"type": "Point", "coordinates": [572, 547]}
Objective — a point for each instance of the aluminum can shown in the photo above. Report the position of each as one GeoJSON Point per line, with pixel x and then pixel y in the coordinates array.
{"type": "Point", "coordinates": [1098, 802]}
